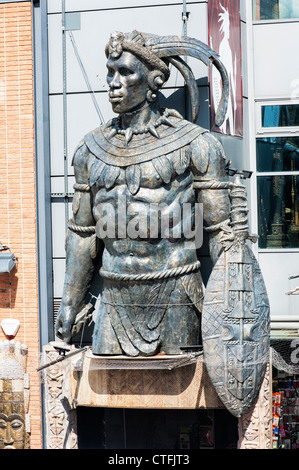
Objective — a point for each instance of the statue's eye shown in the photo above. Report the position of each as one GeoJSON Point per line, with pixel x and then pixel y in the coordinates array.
{"type": "Point", "coordinates": [110, 71]}
{"type": "Point", "coordinates": [2, 424]}
{"type": "Point", "coordinates": [16, 424]}
{"type": "Point", "coordinates": [125, 71]}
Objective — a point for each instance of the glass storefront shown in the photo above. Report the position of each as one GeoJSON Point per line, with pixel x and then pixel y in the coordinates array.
{"type": "Point", "coordinates": [278, 211]}
{"type": "Point", "coordinates": [282, 115]}
{"type": "Point", "coordinates": [277, 154]}
{"type": "Point", "coordinates": [285, 393]}
{"type": "Point", "coordinates": [277, 165]}
{"type": "Point", "coordinates": [285, 411]}
{"type": "Point", "coordinates": [275, 9]}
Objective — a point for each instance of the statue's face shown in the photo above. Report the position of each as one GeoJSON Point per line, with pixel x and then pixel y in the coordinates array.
{"type": "Point", "coordinates": [11, 431]}
{"type": "Point", "coordinates": [127, 80]}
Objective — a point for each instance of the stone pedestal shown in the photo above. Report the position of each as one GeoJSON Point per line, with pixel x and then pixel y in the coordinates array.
{"type": "Point", "coordinates": [61, 428]}
{"type": "Point", "coordinates": [255, 427]}
{"type": "Point", "coordinates": [152, 383]}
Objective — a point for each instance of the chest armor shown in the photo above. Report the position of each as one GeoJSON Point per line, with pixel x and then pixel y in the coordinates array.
{"type": "Point", "coordinates": [147, 159]}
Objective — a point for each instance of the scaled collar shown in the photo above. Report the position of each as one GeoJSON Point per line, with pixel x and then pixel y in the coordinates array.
{"type": "Point", "coordinates": [142, 148]}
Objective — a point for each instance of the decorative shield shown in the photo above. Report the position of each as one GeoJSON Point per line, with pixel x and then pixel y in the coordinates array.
{"type": "Point", "coordinates": [236, 328]}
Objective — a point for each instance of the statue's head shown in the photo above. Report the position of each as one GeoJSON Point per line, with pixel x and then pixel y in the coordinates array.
{"type": "Point", "coordinates": [135, 74]}
{"type": "Point", "coordinates": [12, 421]}
{"type": "Point", "coordinates": [138, 66]}
{"type": "Point", "coordinates": [12, 431]}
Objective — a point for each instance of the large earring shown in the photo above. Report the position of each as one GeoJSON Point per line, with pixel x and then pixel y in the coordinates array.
{"type": "Point", "coordinates": [151, 96]}
{"type": "Point", "coordinates": [155, 81]}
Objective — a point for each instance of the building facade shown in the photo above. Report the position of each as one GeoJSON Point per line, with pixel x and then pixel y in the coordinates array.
{"type": "Point", "coordinates": [19, 286]}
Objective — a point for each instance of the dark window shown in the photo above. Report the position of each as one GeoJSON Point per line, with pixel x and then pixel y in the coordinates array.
{"type": "Point", "coordinates": [278, 211]}
{"type": "Point", "coordinates": [277, 154]}
{"type": "Point", "coordinates": [283, 115]}
{"type": "Point", "coordinates": [110, 428]}
{"type": "Point", "coordinates": [275, 9]}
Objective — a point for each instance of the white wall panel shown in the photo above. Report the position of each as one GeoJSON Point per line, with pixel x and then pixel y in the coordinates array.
{"type": "Point", "coordinates": [57, 184]}
{"type": "Point", "coordinates": [56, 134]}
{"type": "Point", "coordinates": [276, 269]}
{"type": "Point", "coordinates": [58, 229]}
{"type": "Point", "coordinates": [244, 59]}
{"type": "Point", "coordinates": [58, 276]}
{"type": "Point", "coordinates": [54, 6]}
{"type": "Point", "coordinates": [96, 27]}
{"type": "Point", "coordinates": [276, 64]}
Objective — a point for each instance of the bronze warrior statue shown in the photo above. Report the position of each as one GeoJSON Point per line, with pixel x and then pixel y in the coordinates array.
{"type": "Point", "coordinates": [152, 294]}
{"type": "Point", "coordinates": [152, 287]}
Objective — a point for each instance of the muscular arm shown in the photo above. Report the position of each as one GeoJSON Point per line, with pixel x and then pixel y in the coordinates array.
{"type": "Point", "coordinates": [80, 250]}
{"type": "Point", "coordinates": [216, 203]}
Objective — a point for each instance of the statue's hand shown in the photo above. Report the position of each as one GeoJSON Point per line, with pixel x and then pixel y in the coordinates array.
{"type": "Point", "coordinates": [230, 237]}
{"type": "Point", "coordinates": [227, 235]}
{"type": "Point", "coordinates": [64, 322]}
{"type": "Point", "coordinates": [227, 240]}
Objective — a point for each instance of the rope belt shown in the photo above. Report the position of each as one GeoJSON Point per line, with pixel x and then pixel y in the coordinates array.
{"type": "Point", "coordinates": [80, 228]}
{"type": "Point", "coordinates": [182, 270]}
{"type": "Point", "coordinates": [82, 187]}
{"type": "Point", "coordinates": [215, 184]}
{"type": "Point", "coordinates": [170, 304]}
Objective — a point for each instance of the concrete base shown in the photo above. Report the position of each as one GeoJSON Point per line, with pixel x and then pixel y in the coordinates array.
{"type": "Point", "coordinates": [148, 383]}
{"type": "Point", "coordinates": [186, 386]}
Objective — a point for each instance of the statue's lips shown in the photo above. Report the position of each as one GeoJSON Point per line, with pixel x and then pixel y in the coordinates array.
{"type": "Point", "coordinates": [115, 98]}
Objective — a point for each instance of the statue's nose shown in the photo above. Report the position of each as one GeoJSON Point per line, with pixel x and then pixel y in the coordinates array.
{"type": "Point", "coordinates": [115, 82]}
{"type": "Point", "coordinates": [8, 437]}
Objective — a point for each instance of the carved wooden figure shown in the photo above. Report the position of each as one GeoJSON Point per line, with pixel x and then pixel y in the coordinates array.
{"type": "Point", "coordinates": [14, 396]}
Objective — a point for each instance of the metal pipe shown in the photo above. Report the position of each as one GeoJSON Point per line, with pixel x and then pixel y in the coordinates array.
{"type": "Point", "coordinates": [85, 76]}
{"type": "Point", "coordinates": [62, 358]}
{"type": "Point", "coordinates": [284, 318]}
{"type": "Point", "coordinates": [285, 326]}
{"type": "Point", "coordinates": [184, 18]}
{"type": "Point", "coordinates": [65, 152]}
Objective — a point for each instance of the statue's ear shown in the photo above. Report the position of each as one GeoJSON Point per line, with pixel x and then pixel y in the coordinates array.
{"type": "Point", "coordinates": [156, 80]}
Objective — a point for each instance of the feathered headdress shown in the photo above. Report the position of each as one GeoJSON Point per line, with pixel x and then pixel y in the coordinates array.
{"type": "Point", "coordinates": [160, 51]}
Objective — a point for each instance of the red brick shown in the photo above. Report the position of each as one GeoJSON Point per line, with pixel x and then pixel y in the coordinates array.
{"type": "Point", "coordinates": [18, 290]}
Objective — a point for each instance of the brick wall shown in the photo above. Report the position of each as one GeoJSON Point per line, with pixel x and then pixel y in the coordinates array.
{"type": "Point", "coordinates": [18, 289]}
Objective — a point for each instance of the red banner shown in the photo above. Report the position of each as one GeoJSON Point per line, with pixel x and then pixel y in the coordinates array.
{"type": "Point", "coordinates": [225, 39]}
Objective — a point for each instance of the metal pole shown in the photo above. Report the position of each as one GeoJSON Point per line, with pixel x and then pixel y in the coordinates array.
{"type": "Point", "coordinates": [65, 148]}
{"type": "Point", "coordinates": [62, 358]}
{"type": "Point", "coordinates": [185, 18]}
{"type": "Point", "coordinates": [43, 184]}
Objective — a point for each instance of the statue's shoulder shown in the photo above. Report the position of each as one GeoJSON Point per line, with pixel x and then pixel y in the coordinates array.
{"type": "Point", "coordinates": [177, 133]}
{"type": "Point", "coordinates": [83, 151]}
{"type": "Point", "coordinates": [206, 152]}
{"type": "Point", "coordinates": [80, 154]}
{"type": "Point", "coordinates": [111, 145]}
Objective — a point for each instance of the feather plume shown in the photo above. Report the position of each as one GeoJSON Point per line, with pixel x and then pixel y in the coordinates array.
{"type": "Point", "coordinates": [163, 167]}
{"type": "Point", "coordinates": [133, 178]}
